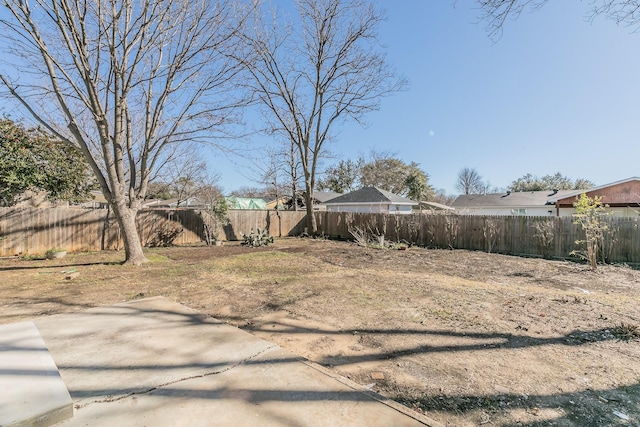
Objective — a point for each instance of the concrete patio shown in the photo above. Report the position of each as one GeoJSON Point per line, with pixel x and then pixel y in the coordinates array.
{"type": "Point", "coordinates": [155, 362]}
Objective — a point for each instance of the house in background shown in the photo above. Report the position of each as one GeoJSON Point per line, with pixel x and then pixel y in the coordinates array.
{"type": "Point", "coordinates": [320, 199]}
{"type": "Point", "coordinates": [622, 198]}
{"type": "Point", "coordinates": [246, 203]}
{"type": "Point", "coordinates": [281, 203]}
{"type": "Point", "coordinates": [286, 202]}
{"type": "Point", "coordinates": [434, 207]}
{"type": "Point", "coordinates": [370, 200]}
{"type": "Point", "coordinates": [522, 203]}
{"type": "Point", "coordinates": [189, 202]}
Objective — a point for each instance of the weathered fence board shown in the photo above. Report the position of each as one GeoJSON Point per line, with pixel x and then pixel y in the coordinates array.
{"type": "Point", "coordinates": [501, 234]}
{"type": "Point", "coordinates": [277, 223]}
{"type": "Point", "coordinates": [35, 231]}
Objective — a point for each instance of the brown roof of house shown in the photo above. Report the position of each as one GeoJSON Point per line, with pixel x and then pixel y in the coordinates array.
{"type": "Point", "coordinates": [620, 193]}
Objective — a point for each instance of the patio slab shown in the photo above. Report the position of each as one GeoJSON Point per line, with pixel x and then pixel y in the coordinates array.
{"type": "Point", "coordinates": [157, 362]}
{"type": "Point", "coordinates": [32, 392]}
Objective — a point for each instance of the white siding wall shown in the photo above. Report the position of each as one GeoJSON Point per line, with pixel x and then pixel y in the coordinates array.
{"type": "Point", "coordinates": [544, 211]}
{"type": "Point", "coordinates": [616, 212]}
{"type": "Point", "coordinates": [402, 209]}
{"type": "Point", "coordinates": [625, 212]}
{"type": "Point", "coordinates": [530, 211]}
{"type": "Point", "coordinates": [372, 208]}
{"type": "Point", "coordinates": [359, 208]}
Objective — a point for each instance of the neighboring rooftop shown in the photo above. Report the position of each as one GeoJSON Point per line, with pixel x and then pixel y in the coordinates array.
{"type": "Point", "coordinates": [371, 195]}
{"type": "Point", "coordinates": [325, 196]}
{"type": "Point", "coordinates": [245, 203]}
{"type": "Point", "coordinates": [509, 199]}
{"type": "Point", "coordinates": [618, 193]}
{"type": "Point", "coordinates": [435, 206]}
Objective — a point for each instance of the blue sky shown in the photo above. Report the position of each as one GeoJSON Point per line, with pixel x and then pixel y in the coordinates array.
{"type": "Point", "coordinates": [556, 93]}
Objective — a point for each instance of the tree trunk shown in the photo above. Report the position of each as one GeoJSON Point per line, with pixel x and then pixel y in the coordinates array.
{"type": "Point", "coordinates": [132, 244]}
{"type": "Point", "coordinates": [294, 197]}
{"type": "Point", "coordinates": [312, 225]}
{"type": "Point", "coordinates": [294, 177]}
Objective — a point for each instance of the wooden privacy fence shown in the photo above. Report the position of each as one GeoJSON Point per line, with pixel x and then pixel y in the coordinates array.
{"type": "Point", "coordinates": [35, 231]}
{"type": "Point", "coordinates": [278, 223]}
{"type": "Point", "coordinates": [551, 237]}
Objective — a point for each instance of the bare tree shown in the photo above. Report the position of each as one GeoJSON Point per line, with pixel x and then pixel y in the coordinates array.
{"type": "Point", "coordinates": [274, 173]}
{"type": "Point", "coordinates": [496, 12]}
{"type": "Point", "coordinates": [186, 174]}
{"type": "Point", "coordinates": [441, 196]}
{"type": "Point", "coordinates": [293, 174]}
{"type": "Point", "coordinates": [311, 74]}
{"type": "Point", "coordinates": [251, 192]}
{"type": "Point", "coordinates": [470, 182]}
{"type": "Point", "coordinates": [123, 81]}
{"type": "Point", "coordinates": [277, 172]}
{"type": "Point", "coordinates": [215, 212]}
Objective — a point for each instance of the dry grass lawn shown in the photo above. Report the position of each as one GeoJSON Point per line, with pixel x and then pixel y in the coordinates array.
{"type": "Point", "coordinates": [466, 337]}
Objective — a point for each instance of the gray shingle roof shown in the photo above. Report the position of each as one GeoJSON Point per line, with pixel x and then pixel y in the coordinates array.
{"type": "Point", "coordinates": [325, 196]}
{"type": "Point", "coordinates": [437, 206]}
{"type": "Point", "coordinates": [370, 195]}
{"type": "Point", "coordinates": [514, 199]}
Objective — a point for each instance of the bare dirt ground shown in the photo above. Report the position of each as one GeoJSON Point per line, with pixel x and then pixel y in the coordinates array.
{"type": "Point", "coordinates": [467, 338]}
